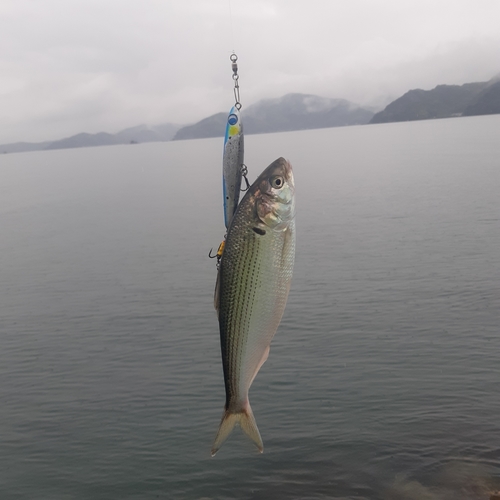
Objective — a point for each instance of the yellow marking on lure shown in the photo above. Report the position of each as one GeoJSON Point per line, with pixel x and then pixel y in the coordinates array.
{"type": "Point", "coordinates": [220, 250]}
{"type": "Point", "coordinates": [233, 130]}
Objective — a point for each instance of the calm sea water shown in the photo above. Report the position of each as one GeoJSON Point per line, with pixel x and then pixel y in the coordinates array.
{"type": "Point", "coordinates": [383, 380]}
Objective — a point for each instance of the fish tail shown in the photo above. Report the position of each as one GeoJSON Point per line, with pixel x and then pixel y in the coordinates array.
{"type": "Point", "coordinates": [247, 422]}
{"type": "Point", "coordinates": [249, 426]}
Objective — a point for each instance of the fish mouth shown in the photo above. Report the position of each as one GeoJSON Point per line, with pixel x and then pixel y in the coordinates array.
{"type": "Point", "coordinates": [287, 167]}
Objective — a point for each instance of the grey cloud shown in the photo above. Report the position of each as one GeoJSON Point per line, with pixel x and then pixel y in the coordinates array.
{"type": "Point", "coordinates": [89, 65]}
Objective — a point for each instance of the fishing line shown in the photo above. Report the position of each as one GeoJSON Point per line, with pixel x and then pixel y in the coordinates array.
{"type": "Point", "coordinates": [231, 23]}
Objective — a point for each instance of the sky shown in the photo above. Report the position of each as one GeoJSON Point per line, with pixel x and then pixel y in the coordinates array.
{"type": "Point", "coordinates": [70, 66]}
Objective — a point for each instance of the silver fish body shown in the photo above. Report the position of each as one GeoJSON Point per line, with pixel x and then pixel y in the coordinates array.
{"type": "Point", "coordinates": [252, 289]}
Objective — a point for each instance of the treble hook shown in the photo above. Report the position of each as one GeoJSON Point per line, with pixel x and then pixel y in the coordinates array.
{"type": "Point", "coordinates": [244, 172]}
{"type": "Point", "coordinates": [220, 250]}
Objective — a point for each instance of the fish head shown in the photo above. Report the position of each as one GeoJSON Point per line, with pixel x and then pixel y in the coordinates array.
{"type": "Point", "coordinates": [275, 195]}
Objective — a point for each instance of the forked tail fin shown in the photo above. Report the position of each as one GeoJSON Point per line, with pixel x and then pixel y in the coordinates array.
{"type": "Point", "coordinates": [248, 424]}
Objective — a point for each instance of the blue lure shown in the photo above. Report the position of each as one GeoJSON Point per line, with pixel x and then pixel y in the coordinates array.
{"type": "Point", "coordinates": [232, 164]}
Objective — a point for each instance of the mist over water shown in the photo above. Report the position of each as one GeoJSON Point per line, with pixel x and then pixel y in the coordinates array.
{"type": "Point", "coordinates": [382, 381]}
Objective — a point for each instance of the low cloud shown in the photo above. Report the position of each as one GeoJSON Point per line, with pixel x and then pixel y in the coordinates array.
{"type": "Point", "coordinates": [92, 66]}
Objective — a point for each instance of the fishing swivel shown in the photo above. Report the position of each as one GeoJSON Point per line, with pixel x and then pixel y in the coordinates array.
{"type": "Point", "coordinates": [234, 65]}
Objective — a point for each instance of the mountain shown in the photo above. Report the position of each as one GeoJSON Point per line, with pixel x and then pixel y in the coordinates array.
{"type": "Point", "coordinates": [300, 112]}
{"type": "Point", "coordinates": [290, 112]}
{"type": "Point", "coordinates": [144, 133]}
{"type": "Point", "coordinates": [303, 111]}
{"type": "Point", "coordinates": [83, 140]}
{"type": "Point", "coordinates": [488, 102]}
{"type": "Point", "coordinates": [21, 147]}
{"type": "Point", "coordinates": [132, 135]}
{"type": "Point", "coordinates": [212, 126]}
{"type": "Point", "coordinates": [443, 101]}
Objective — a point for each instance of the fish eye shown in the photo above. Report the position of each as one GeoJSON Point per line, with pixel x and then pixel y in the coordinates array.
{"type": "Point", "coordinates": [277, 182]}
{"type": "Point", "coordinates": [232, 119]}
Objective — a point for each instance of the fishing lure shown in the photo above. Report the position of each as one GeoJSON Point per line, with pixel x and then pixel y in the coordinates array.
{"type": "Point", "coordinates": [232, 164]}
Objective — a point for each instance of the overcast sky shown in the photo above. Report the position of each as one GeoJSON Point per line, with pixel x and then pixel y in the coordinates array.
{"type": "Point", "coordinates": [69, 66]}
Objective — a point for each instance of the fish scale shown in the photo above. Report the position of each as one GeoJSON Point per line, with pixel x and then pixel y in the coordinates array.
{"type": "Point", "coordinates": [252, 289]}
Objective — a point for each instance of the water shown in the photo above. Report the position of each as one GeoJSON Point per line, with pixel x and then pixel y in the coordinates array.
{"type": "Point", "coordinates": [383, 379]}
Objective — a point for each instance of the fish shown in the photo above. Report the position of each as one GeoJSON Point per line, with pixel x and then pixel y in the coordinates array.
{"type": "Point", "coordinates": [252, 288]}
{"type": "Point", "coordinates": [232, 164]}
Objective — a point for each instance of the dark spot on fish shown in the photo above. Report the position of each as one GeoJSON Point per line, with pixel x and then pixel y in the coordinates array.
{"type": "Point", "coordinates": [258, 230]}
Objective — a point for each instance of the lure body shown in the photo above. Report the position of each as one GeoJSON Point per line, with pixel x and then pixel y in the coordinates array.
{"type": "Point", "coordinates": [232, 164]}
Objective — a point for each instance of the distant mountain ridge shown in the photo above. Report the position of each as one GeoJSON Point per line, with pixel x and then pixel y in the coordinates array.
{"type": "Point", "coordinates": [212, 126]}
{"type": "Point", "coordinates": [300, 112]}
{"type": "Point", "coordinates": [290, 112]}
{"type": "Point", "coordinates": [443, 101]}
{"type": "Point", "coordinates": [132, 135]}
{"type": "Point", "coordinates": [487, 103]}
